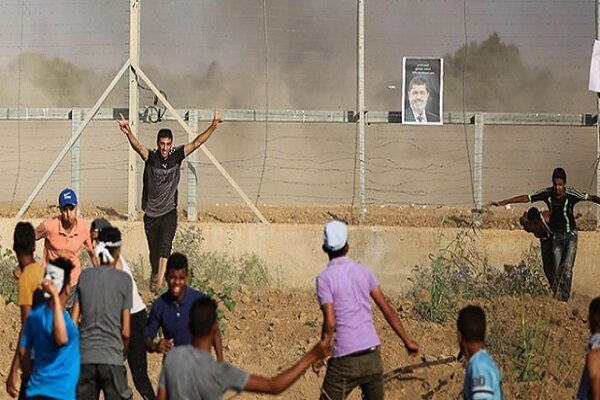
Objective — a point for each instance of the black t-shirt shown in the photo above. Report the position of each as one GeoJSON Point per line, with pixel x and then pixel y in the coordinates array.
{"type": "Point", "coordinates": [161, 178]}
{"type": "Point", "coordinates": [562, 218]}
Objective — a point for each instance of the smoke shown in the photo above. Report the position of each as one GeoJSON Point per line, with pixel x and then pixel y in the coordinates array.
{"type": "Point", "coordinates": [214, 53]}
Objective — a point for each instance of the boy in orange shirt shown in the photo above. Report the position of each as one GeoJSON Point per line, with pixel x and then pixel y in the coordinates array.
{"type": "Point", "coordinates": [64, 236]}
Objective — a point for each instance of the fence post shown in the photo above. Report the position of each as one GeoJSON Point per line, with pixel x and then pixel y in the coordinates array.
{"type": "Point", "coordinates": [192, 176]}
{"type": "Point", "coordinates": [597, 122]}
{"type": "Point", "coordinates": [360, 100]}
{"type": "Point", "coordinates": [76, 119]}
{"type": "Point", "coordinates": [134, 119]}
{"type": "Point", "coordinates": [478, 170]}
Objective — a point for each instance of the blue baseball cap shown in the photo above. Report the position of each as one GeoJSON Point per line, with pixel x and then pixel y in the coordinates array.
{"type": "Point", "coordinates": [67, 198]}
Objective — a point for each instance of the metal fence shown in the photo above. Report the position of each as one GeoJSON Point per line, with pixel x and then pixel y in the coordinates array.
{"type": "Point", "coordinates": [268, 64]}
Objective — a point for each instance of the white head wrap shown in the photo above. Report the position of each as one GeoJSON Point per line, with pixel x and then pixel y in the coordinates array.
{"type": "Point", "coordinates": [103, 253]}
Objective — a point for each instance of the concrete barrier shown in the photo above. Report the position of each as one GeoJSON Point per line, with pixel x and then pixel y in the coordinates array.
{"type": "Point", "coordinates": [294, 257]}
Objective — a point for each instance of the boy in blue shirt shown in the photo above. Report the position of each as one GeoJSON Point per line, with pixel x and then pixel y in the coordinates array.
{"type": "Point", "coordinates": [50, 333]}
{"type": "Point", "coordinates": [170, 312]}
{"type": "Point", "coordinates": [482, 377]}
{"type": "Point", "coordinates": [589, 385]}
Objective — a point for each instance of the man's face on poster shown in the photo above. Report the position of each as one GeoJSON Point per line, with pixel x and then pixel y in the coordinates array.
{"type": "Point", "coordinates": [418, 97]}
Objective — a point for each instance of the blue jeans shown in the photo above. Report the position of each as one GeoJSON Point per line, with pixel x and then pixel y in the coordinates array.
{"type": "Point", "coordinates": [564, 250]}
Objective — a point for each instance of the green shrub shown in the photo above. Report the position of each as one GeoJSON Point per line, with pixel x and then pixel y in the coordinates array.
{"type": "Point", "coordinates": [8, 284]}
{"type": "Point", "coordinates": [219, 274]}
{"type": "Point", "coordinates": [458, 272]}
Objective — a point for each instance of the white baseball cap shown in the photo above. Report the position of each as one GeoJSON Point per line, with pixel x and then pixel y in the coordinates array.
{"type": "Point", "coordinates": [335, 235]}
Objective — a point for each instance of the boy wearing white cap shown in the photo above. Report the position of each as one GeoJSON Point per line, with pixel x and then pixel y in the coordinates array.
{"type": "Point", "coordinates": [345, 289]}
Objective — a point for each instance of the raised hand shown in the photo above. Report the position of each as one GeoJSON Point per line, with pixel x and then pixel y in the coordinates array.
{"type": "Point", "coordinates": [124, 124]}
{"type": "Point", "coordinates": [217, 119]}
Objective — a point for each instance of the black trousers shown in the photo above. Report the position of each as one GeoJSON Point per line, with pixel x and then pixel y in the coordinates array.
{"type": "Point", "coordinates": [160, 232]}
{"type": "Point", "coordinates": [136, 356]}
{"type": "Point", "coordinates": [106, 378]}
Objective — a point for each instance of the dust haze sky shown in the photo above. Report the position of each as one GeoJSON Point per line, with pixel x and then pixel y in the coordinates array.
{"type": "Point", "coordinates": [308, 39]}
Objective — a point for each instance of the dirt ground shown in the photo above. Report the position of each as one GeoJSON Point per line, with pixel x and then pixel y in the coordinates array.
{"type": "Point", "coordinates": [270, 328]}
{"type": "Point", "coordinates": [385, 215]}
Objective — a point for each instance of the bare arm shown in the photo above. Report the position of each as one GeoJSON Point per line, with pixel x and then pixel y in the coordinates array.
{"type": "Point", "coordinates": [25, 361]}
{"type": "Point", "coordinates": [328, 328]}
{"type": "Point", "coordinates": [594, 198]}
{"type": "Point", "coordinates": [162, 394]}
{"type": "Point", "coordinates": [125, 328]}
{"type": "Point", "coordinates": [59, 328]}
{"type": "Point", "coordinates": [593, 367]}
{"type": "Point", "coordinates": [327, 331]}
{"type": "Point", "coordinates": [218, 345]}
{"type": "Point", "coordinates": [523, 198]}
{"type": "Point", "coordinates": [393, 320]}
{"type": "Point", "coordinates": [162, 346]}
{"type": "Point", "coordinates": [11, 380]}
{"type": "Point", "coordinates": [76, 313]}
{"type": "Point", "coordinates": [90, 250]}
{"type": "Point", "coordinates": [133, 141]}
{"type": "Point", "coordinates": [285, 379]}
{"type": "Point", "coordinates": [204, 136]}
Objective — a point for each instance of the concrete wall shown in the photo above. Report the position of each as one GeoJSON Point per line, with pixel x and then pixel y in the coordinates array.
{"type": "Point", "coordinates": [294, 257]}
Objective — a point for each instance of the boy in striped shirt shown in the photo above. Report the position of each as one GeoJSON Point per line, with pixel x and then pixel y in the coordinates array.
{"type": "Point", "coordinates": [560, 200]}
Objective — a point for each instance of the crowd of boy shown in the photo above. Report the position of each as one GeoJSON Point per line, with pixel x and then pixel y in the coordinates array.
{"type": "Point", "coordinates": [79, 326]}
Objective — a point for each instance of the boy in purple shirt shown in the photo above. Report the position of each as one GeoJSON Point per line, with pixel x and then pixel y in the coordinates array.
{"type": "Point", "coordinates": [345, 289]}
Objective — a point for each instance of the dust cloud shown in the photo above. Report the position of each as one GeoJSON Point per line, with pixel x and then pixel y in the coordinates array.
{"type": "Point", "coordinates": [215, 54]}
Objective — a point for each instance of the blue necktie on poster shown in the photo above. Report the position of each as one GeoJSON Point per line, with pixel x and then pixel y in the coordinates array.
{"type": "Point", "coordinates": [595, 68]}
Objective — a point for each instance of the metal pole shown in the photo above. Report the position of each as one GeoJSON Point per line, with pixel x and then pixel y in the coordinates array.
{"type": "Point", "coordinates": [76, 118]}
{"type": "Point", "coordinates": [134, 57]}
{"type": "Point", "coordinates": [597, 122]}
{"type": "Point", "coordinates": [360, 97]}
{"type": "Point", "coordinates": [90, 114]}
{"type": "Point", "coordinates": [204, 149]}
{"type": "Point", "coordinates": [192, 177]}
{"type": "Point", "coordinates": [478, 169]}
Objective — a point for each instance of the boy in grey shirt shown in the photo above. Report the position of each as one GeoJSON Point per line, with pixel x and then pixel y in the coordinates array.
{"type": "Point", "coordinates": [102, 309]}
{"type": "Point", "coordinates": [190, 372]}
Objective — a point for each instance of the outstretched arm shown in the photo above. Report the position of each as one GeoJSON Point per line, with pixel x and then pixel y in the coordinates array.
{"type": "Point", "coordinates": [523, 198]}
{"type": "Point", "coordinates": [279, 383]}
{"type": "Point", "coordinates": [135, 144]}
{"type": "Point", "coordinates": [203, 137]}
{"type": "Point", "coordinates": [393, 320]}
{"type": "Point", "coordinates": [594, 198]}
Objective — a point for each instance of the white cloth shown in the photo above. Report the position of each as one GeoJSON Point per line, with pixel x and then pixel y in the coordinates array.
{"type": "Point", "coordinates": [335, 235]}
{"type": "Point", "coordinates": [103, 254]}
{"type": "Point", "coordinates": [594, 85]}
{"type": "Point", "coordinates": [137, 302]}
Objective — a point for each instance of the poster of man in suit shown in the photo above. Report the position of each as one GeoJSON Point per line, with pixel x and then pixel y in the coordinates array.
{"type": "Point", "coordinates": [422, 91]}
